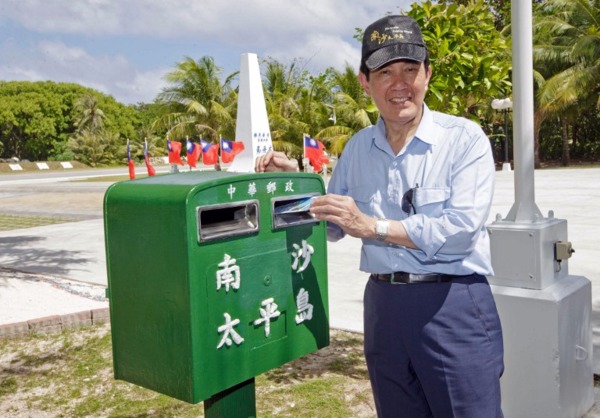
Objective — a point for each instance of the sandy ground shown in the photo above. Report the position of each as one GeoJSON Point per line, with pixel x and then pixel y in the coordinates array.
{"type": "Point", "coordinates": [39, 296]}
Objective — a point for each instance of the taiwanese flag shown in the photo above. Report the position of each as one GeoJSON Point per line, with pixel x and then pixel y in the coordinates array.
{"type": "Point", "coordinates": [229, 149]}
{"type": "Point", "coordinates": [151, 170]}
{"type": "Point", "coordinates": [313, 150]}
{"type": "Point", "coordinates": [130, 163]}
{"type": "Point", "coordinates": [174, 149]}
{"type": "Point", "coordinates": [193, 152]}
{"type": "Point", "coordinates": [210, 152]}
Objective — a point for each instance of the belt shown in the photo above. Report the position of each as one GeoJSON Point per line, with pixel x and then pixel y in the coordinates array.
{"type": "Point", "coordinates": [400, 277]}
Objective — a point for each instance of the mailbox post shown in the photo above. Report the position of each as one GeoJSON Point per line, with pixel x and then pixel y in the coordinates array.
{"type": "Point", "coordinates": [211, 284]}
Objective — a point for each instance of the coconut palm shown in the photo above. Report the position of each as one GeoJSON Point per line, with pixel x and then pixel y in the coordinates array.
{"type": "Point", "coordinates": [197, 101]}
{"type": "Point", "coordinates": [284, 90]}
{"type": "Point", "coordinates": [91, 116]}
{"type": "Point", "coordinates": [95, 148]}
{"type": "Point", "coordinates": [567, 40]}
{"type": "Point", "coordinates": [353, 109]}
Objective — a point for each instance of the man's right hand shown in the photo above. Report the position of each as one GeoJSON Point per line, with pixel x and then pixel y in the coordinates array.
{"type": "Point", "coordinates": [274, 161]}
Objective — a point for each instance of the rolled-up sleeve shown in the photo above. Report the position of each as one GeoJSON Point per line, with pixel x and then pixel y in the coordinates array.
{"type": "Point", "coordinates": [452, 233]}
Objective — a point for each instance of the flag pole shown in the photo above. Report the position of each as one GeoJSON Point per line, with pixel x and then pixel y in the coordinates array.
{"type": "Point", "coordinates": [218, 164]}
{"type": "Point", "coordinates": [187, 141]}
{"type": "Point", "coordinates": [304, 151]}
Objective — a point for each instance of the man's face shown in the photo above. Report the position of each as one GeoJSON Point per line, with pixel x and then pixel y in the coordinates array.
{"type": "Point", "coordinates": [398, 90]}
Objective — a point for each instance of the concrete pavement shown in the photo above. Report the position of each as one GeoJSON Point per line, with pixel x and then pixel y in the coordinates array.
{"type": "Point", "coordinates": [75, 250]}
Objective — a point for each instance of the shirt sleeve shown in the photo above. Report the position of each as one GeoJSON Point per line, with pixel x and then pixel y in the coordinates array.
{"type": "Point", "coordinates": [337, 185]}
{"type": "Point", "coordinates": [453, 233]}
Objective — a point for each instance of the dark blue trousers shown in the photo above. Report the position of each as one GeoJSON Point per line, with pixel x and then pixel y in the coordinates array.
{"type": "Point", "coordinates": [434, 349]}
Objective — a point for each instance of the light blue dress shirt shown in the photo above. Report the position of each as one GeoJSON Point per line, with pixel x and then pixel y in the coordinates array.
{"type": "Point", "coordinates": [449, 162]}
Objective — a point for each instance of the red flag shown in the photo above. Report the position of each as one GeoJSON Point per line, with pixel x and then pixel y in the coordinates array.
{"type": "Point", "coordinates": [314, 151]}
{"type": "Point", "coordinates": [229, 149]}
{"type": "Point", "coordinates": [174, 149]}
{"type": "Point", "coordinates": [130, 163]}
{"type": "Point", "coordinates": [151, 170]}
{"type": "Point", "coordinates": [210, 152]}
{"type": "Point", "coordinates": [193, 153]}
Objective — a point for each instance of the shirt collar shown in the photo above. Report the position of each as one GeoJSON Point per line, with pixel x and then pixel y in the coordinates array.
{"type": "Point", "coordinates": [426, 131]}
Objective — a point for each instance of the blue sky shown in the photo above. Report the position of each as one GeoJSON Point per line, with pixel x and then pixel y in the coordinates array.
{"type": "Point", "coordinates": [125, 47]}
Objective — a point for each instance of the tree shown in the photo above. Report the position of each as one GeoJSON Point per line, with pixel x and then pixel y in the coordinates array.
{"type": "Point", "coordinates": [567, 52]}
{"type": "Point", "coordinates": [283, 86]}
{"type": "Point", "coordinates": [96, 148]}
{"type": "Point", "coordinates": [32, 118]}
{"type": "Point", "coordinates": [38, 118]}
{"type": "Point", "coordinates": [197, 102]}
{"type": "Point", "coordinates": [499, 8]}
{"type": "Point", "coordinates": [353, 109]}
{"type": "Point", "coordinates": [91, 117]}
{"type": "Point", "coordinates": [471, 60]}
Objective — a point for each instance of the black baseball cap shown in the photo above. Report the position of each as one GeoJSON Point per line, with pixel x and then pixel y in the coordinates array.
{"type": "Point", "coordinates": [392, 38]}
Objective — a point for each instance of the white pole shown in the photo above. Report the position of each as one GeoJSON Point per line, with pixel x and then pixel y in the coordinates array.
{"type": "Point", "coordinates": [524, 209]}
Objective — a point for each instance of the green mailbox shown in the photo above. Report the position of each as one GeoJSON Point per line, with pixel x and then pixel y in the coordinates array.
{"type": "Point", "coordinates": [210, 281]}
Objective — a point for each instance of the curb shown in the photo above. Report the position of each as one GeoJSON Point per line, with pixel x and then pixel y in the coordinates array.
{"type": "Point", "coordinates": [54, 323]}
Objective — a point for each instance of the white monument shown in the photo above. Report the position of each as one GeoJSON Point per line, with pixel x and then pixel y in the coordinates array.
{"type": "Point", "coordinates": [252, 125]}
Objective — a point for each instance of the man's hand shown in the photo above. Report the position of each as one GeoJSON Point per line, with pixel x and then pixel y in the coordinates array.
{"type": "Point", "coordinates": [274, 161]}
{"type": "Point", "coordinates": [342, 211]}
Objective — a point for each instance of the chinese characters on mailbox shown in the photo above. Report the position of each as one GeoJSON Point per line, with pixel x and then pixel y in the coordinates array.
{"type": "Point", "coordinates": [229, 276]}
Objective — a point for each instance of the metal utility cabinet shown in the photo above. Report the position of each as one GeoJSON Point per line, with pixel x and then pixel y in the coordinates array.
{"type": "Point", "coordinates": [208, 284]}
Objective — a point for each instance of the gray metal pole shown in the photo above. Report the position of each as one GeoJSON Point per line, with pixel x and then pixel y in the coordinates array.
{"type": "Point", "coordinates": [505, 111]}
{"type": "Point", "coordinates": [545, 312]}
{"type": "Point", "coordinates": [524, 209]}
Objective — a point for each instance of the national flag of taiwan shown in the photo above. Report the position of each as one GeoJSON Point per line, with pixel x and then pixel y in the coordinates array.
{"type": "Point", "coordinates": [151, 170]}
{"type": "Point", "coordinates": [130, 163]}
{"type": "Point", "coordinates": [229, 149]}
{"type": "Point", "coordinates": [314, 151]}
{"type": "Point", "coordinates": [210, 152]}
{"type": "Point", "coordinates": [174, 149]}
{"type": "Point", "coordinates": [193, 152]}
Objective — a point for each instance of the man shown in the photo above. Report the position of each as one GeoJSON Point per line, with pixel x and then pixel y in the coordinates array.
{"type": "Point", "coordinates": [417, 189]}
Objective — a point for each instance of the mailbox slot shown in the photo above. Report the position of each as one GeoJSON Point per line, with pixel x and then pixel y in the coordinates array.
{"type": "Point", "coordinates": [291, 211]}
{"type": "Point", "coordinates": [227, 220]}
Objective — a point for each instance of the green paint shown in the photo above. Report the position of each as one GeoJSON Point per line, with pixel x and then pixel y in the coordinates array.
{"type": "Point", "coordinates": [163, 250]}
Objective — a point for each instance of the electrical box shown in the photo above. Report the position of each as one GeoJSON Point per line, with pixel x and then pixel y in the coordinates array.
{"type": "Point", "coordinates": [523, 255]}
{"type": "Point", "coordinates": [210, 282]}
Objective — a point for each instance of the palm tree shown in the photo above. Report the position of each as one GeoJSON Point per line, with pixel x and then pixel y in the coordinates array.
{"type": "Point", "coordinates": [354, 110]}
{"type": "Point", "coordinates": [284, 90]}
{"type": "Point", "coordinates": [197, 102]}
{"type": "Point", "coordinates": [95, 148]}
{"type": "Point", "coordinates": [91, 116]}
{"type": "Point", "coordinates": [568, 42]}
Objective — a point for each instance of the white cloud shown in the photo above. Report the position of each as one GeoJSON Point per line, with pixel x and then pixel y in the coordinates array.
{"type": "Point", "coordinates": [321, 51]}
{"type": "Point", "coordinates": [225, 21]}
{"type": "Point", "coordinates": [143, 87]}
{"type": "Point", "coordinates": [113, 75]}
{"type": "Point", "coordinates": [80, 41]}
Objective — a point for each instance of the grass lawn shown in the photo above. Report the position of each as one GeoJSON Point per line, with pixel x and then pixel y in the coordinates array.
{"type": "Point", "coordinates": [70, 375]}
{"type": "Point", "coordinates": [10, 222]}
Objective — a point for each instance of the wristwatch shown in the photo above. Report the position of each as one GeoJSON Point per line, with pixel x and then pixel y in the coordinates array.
{"type": "Point", "coordinates": [382, 228]}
